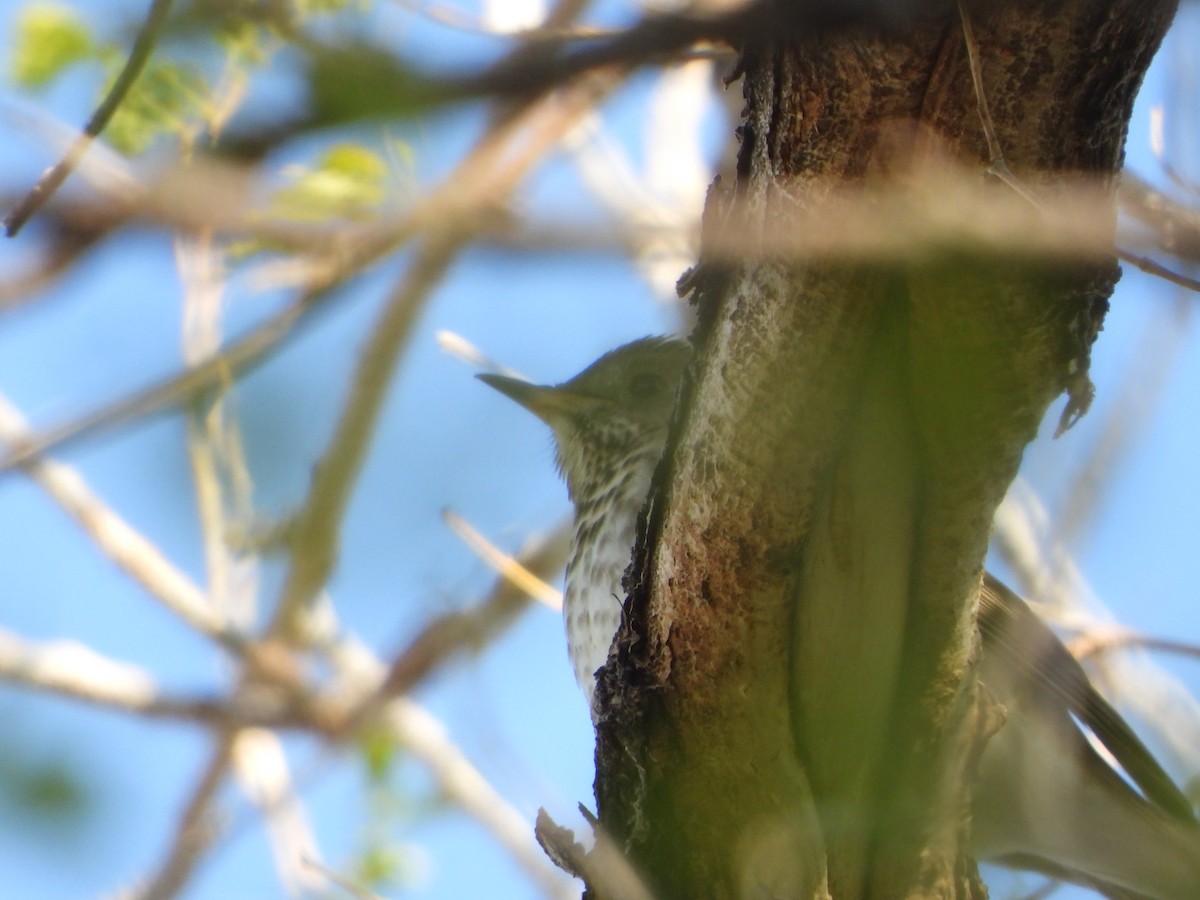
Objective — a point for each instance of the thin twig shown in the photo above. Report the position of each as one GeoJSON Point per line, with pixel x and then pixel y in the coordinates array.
{"type": "Point", "coordinates": [115, 538]}
{"type": "Point", "coordinates": [219, 471]}
{"type": "Point", "coordinates": [315, 535]}
{"type": "Point", "coordinates": [199, 827]}
{"type": "Point", "coordinates": [360, 675]}
{"type": "Point", "coordinates": [1150, 267]}
{"type": "Point", "coordinates": [66, 248]}
{"type": "Point", "coordinates": [470, 631]}
{"type": "Point", "coordinates": [997, 165]}
{"type": "Point", "coordinates": [241, 356]}
{"type": "Point", "coordinates": [508, 568]}
{"type": "Point", "coordinates": [348, 885]}
{"type": "Point", "coordinates": [458, 779]}
{"type": "Point", "coordinates": [1100, 641]}
{"type": "Point", "coordinates": [53, 178]}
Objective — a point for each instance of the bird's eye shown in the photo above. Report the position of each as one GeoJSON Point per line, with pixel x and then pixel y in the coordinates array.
{"type": "Point", "coordinates": [646, 385]}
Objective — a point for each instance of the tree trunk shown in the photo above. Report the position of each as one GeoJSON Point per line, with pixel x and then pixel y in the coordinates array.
{"type": "Point", "coordinates": [793, 712]}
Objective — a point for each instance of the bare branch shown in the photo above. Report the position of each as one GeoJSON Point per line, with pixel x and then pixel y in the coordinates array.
{"type": "Point", "coordinates": [1175, 226]}
{"type": "Point", "coordinates": [261, 768]}
{"type": "Point", "coordinates": [219, 470]}
{"type": "Point", "coordinates": [1150, 267]}
{"type": "Point", "coordinates": [136, 556]}
{"type": "Point", "coordinates": [361, 675]}
{"type": "Point", "coordinates": [241, 356]}
{"type": "Point", "coordinates": [73, 670]}
{"type": "Point", "coordinates": [53, 178]}
{"type": "Point", "coordinates": [462, 783]}
{"type": "Point", "coordinates": [199, 826]}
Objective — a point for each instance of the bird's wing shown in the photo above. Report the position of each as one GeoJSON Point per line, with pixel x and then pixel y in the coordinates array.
{"type": "Point", "coordinates": [1013, 630]}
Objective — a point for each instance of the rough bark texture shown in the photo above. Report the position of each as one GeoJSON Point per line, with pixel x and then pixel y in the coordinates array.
{"type": "Point", "coordinates": [793, 705]}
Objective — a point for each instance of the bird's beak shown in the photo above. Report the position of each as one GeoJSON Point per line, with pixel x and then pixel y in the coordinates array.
{"type": "Point", "coordinates": [547, 403]}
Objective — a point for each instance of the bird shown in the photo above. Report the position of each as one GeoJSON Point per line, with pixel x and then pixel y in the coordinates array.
{"type": "Point", "coordinates": [1043, 798]}
{"type": "Point", "coordinates": [610, 427]}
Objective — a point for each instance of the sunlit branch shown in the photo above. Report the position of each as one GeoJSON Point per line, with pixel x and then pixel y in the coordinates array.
{"type": "Point", "coordinates": [361, 675]}
{"type": "Point", "coordinates": [74, 671]}
{"type": "Point", "coordinates": [261, 767]}
{"type": "Point", "coordinates": [508, 568]}
{"type": "Point", "coordinates": [219, 471]}
{"type": "Point", "coordinates": [113, 536]}
{"type": "Point", "coordinates": [423, 736]}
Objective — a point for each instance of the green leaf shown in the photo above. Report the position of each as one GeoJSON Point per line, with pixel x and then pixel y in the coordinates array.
{"type": "Point", "coordinates": [51, 789]}
{"type": "Point", "coordinates": [317, 7]}
{"type": "Point", "coordinates": [381, 866]}
{"type": "Point", "coordinates": [48, 39]}
{"type": "Point", "coordinates": [379, 752]}
{"type": "Point", "coordinates": [348, 181]}
{"type": "Point", "coordinates": [244, 42]}
{"type": "Point", "coordinates": [165, 99]}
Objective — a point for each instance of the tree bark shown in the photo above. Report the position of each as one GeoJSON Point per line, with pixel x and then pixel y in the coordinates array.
{"type": "Point", "coordinates": [793, 709]}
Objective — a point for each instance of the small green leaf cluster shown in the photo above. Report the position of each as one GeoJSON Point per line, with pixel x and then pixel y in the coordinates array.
{"type": "Point", "coordinates": [348, 181]}
{"type": "Point", "coordinates": [49, 38]}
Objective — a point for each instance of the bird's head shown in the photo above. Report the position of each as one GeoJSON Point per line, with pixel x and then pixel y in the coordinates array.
{"type": "Point", "coordinates": [614, 411]}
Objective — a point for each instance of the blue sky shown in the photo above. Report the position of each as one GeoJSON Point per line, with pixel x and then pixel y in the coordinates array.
{"type": "Point", "coordinates": [445, 441]}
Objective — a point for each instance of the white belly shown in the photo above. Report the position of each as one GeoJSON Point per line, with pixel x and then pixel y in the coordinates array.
{"type": "Point", "coordinates": [593, 598]}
